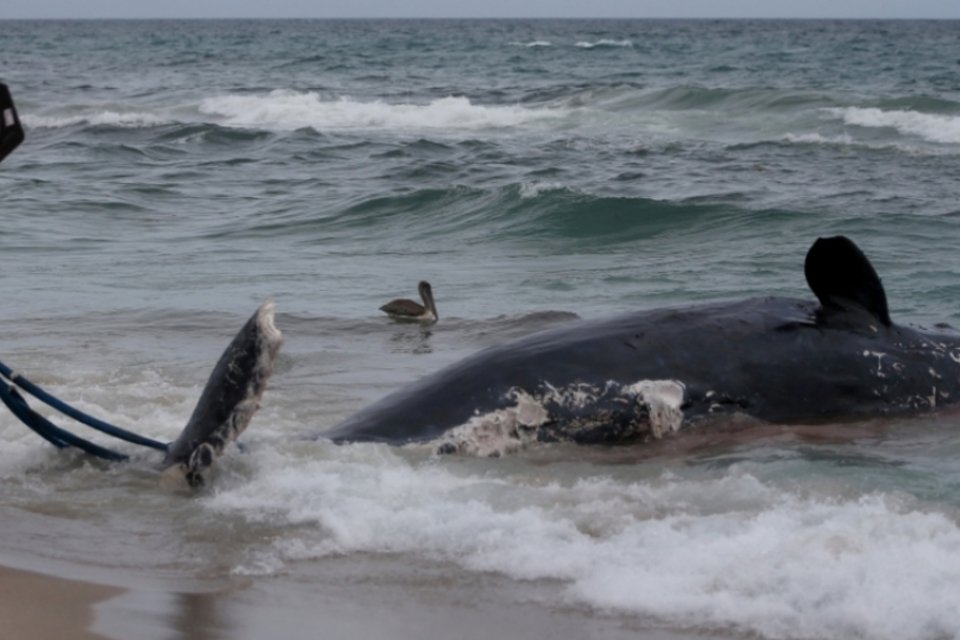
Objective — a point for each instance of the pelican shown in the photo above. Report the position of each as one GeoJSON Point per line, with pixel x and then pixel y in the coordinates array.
{"type": "Point", "coordinates": [406, 310]}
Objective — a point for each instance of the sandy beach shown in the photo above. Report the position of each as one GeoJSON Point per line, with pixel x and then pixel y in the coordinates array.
{"type": "Point", "coordinates": [38, 606]}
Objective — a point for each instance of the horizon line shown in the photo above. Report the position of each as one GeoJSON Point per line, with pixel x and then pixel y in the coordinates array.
{"type": "Point", "coordinates": [387, 17]}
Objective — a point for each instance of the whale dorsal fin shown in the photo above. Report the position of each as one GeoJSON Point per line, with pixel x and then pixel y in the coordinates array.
{"type": "Point", "coordinates": [844, 280]}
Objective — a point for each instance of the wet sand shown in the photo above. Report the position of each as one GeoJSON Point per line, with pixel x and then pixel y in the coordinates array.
{"type": "Point", "coordinates": [40, 606]}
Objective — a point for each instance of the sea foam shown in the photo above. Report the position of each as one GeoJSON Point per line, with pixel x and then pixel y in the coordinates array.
{"type": "Point", "coordinates": [130, 120]}
{"type": "Point", "coordinates": [288, 110]}
{"type": "Point", "coordinates": [728, 552]}
{"type": "Point", "coordinates": [604, 43]}
{"type": "Point", "coordinates": [943, 129]}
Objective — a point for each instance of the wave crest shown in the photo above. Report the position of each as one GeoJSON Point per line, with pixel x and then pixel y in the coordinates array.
{"type": "Point", "coordinates": [290, 110]}
{"type": "Point", "coordinates": [932, 127]}
{"type": "Point", "coordinates": [604, 43]}
{"type": "Point", "coordinates": [132, 120]}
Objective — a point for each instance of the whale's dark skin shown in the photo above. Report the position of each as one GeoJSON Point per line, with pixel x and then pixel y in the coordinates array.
{"type": "Point", "coordinates": [780, 360]}
{"type": "Point", "coordinates": [230, 398]}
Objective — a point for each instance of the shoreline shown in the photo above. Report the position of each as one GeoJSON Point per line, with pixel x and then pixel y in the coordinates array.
{"type": "Point", "coordinates": [40, 606]}
{"type": "Point", "coordinates": [43, 606]}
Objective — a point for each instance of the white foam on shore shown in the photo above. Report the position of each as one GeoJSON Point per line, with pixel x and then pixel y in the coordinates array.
{"type": "Point", "coordinates": [726, 552]}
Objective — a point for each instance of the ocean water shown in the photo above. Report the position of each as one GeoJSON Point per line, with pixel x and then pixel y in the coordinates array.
{"type": "Point", "coordinates": [176, 174]}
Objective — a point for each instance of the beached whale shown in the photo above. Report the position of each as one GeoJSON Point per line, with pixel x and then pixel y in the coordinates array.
{"type": "Point", "coordinates": [642, 375]}
{"type": "Point", "coordinates": [634, 377]}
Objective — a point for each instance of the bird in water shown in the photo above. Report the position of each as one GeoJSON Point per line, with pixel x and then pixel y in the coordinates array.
{"type": "Point", "coordinates": [406, 310]}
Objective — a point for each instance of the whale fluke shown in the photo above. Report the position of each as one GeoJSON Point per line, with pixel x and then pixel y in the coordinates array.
{"type": "Point", "coordinates": [231, 397]}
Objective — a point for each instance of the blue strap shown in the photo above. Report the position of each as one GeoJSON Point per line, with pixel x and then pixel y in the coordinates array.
{"type": "Point", "coordinates": [76, 414]}
{"type": "Point", "coordinates": [50, 432]}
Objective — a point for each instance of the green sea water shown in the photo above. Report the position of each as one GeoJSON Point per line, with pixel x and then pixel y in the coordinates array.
{"type": "Point", "coordinates": [547, 162]}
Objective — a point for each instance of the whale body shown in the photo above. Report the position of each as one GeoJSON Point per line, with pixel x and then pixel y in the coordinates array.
{"type": "Point", "coordinates": [640, 376]}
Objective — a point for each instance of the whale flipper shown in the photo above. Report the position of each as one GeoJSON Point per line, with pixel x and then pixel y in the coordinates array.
{"type": "Point", "coordinates": [231, 397]}
{"type": "Point", "coordinates": [842, 278]}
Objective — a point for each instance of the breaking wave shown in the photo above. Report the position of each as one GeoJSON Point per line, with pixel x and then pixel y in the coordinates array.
{"type": "Point", "coordinates": [130, 120]}
{"type": "Point", "coordinates": [604, 43]}
{"type": "Point", "coordinates": [932, 127]}
{"type": "Point", "coordinates": [729, 552]}
{"type": "Point", "coordinates": [288, 110]}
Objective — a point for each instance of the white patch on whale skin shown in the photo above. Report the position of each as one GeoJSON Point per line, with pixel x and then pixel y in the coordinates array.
{"type": "Point", "coordinates": [663, 399]}
{"type": "Point", "coordinates": [497, 433]}
{"type": "Point", "coordinates": [576, 396]}
{"type": "Point", "coordinates": [879, 356]}
{"type": "Point", "coordinates": [512, 428]}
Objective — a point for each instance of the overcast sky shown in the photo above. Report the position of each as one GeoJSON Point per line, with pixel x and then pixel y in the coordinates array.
{"type": "Point", "coordinates": [479, 8]}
